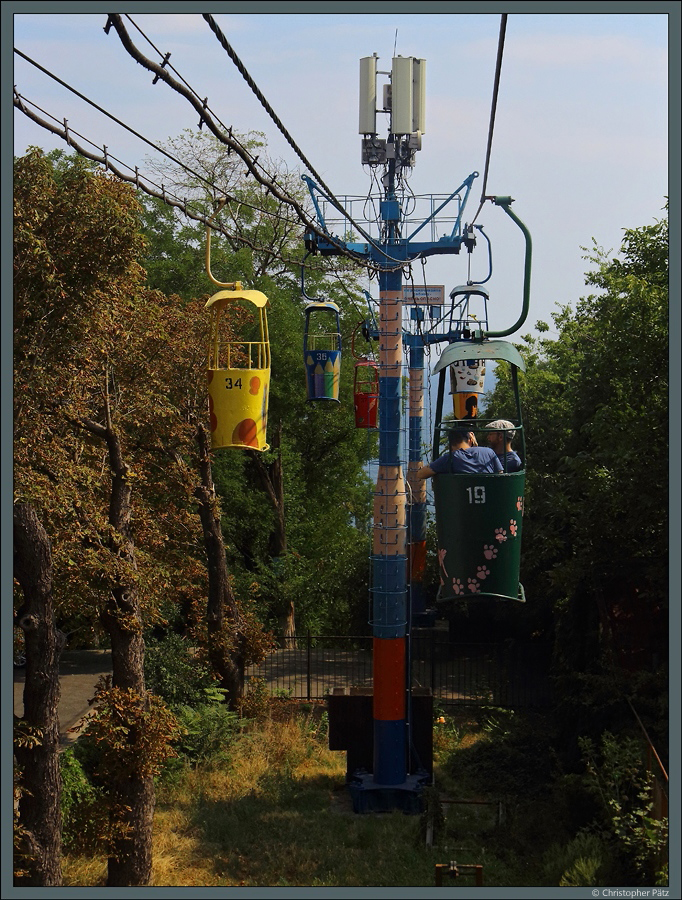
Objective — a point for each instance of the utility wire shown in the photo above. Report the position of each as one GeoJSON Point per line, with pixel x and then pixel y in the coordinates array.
{"type": "Point", "coordinates": [493, 111]}
{"type": "Point", "coordinates": [166, 64]}
{"type": "Point", "coordinates": [169, 198]}
{"type": "Point", "coordinates": [141, 137]}
{"type": "Point", "coordinates": [108, 114]}
{"type": "Point", "coordinates": [108, 161]}
{"type": "Point", "coordinates": [226, 139]}
{"type": "Point", "coordinates": [227, 47]}
{"type": "Point", "coordinates": [230, 141]}
{"type": "Point", "coordinates": [224, 43]}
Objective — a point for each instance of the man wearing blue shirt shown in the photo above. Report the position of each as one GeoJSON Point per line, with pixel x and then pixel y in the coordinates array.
{"type": "Point", "coordinates": [501, 435]}
{"type": "Point", "coordinates": [464, 457]}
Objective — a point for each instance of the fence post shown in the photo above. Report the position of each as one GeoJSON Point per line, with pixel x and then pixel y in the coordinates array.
{"type": "Point", "coordinates": [309, 648]}
{"type": "Point", "coordinates": [433, 663]}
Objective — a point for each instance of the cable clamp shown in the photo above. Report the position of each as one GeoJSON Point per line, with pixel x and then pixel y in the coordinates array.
{"type": "Point", "coordinates": [163, 66]}
{"type": "Point", "coordinates": [203, 106]}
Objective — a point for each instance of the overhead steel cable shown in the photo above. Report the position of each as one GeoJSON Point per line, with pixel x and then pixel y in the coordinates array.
{"type": "Point", "coordinates": [108, 161]}
{"type": "Point", "coordinates": [168, 65]}
{"type": "Point", "coordinates": [141, 137]}
{"type": "Point", "coordinates": [224, 43]}
{"type": "Point", "coordinates": [227, 47]}
{"type": "Point", "coordinates": [110, 115]}
{"type": "Point", "coordinates": [493, 111]}
{"type": "Point", "coordinates": [227, 139]}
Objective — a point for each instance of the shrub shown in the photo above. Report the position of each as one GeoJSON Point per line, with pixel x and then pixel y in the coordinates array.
{"type": "Point", "coordinates": [618, 777]}
{"type": "Point", "coordinates": [173, 672]}
{"type": "Point", "coordinates": [576, 864]}
{"type": "Point", "coordinates": [208, 731]}
{"type": "Point", "coordinates": [515, 758]}
{"type": "Point", "coordinates": [255, 704]}
{"type": "Point", "coordinates": [83, 808]}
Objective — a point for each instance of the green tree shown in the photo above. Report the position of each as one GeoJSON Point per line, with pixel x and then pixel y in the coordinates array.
{"type": "Point", "coordinates": [307, 499]}
{"type": "Point", "coordinates": [109, 382]}
{"type": "Point", "coordinates": [595, 410]}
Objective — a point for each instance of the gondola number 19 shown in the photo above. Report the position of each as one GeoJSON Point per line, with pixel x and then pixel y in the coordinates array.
{"type": "Point", "coordinates": [476, 494]}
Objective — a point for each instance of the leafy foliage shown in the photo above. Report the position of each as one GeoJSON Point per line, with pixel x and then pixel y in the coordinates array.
{"type": "Point", "coordinates": [83, 805]}
{"type": "Point", "coordinates": [132, 735]}
{"type": "Point", "coordinates": [207, 732]}
{"type": "Point", "coordinates": [175, 673]}
{"type": "Point", "coordinates": [596, 409]}
{"type": "Point", "coordinates": [625, 789]}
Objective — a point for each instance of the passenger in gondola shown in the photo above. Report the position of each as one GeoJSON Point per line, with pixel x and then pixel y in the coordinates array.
{"type": "Point", "coordinates": [464, 457]}
{"type": "Point", "coordinates": [502, 433]}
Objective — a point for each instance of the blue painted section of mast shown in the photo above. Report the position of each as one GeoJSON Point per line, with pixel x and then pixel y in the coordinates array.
{"type": "Point", "coordinates": [389, 600]}
{"type": "Point", "coordinates": [390, 778]}
{"type": "Point", "coordinates": [417, 508]}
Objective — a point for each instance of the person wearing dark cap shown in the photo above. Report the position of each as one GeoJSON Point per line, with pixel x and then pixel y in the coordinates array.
{"type": "Point", "coordinates": [463, 457]}
{"type": "Point", "coordinates": [502, 433]}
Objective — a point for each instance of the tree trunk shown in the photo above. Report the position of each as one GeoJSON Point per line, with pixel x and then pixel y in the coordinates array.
{"type": "Point", "coordinates": [225, 642]}
{"type": "Point", "coordinates": [271, 478]}
{"type": "Point", "coordinates": [130, 860]}
{"type": "Point", "coordinates": [39, 805]}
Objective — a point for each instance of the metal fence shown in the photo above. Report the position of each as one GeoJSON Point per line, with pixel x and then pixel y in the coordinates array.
{"type": "Point", "coordinates": [504, 674]}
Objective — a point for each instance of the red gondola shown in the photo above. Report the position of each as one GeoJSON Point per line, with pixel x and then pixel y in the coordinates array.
{"type": "Point", "coordinates": [366, 393]}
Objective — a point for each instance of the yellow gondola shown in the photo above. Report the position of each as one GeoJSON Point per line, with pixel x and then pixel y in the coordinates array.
{"type": "Point", "coordinates": [238, 368]}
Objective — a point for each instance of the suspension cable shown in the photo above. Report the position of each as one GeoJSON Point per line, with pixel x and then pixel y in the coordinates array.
{"type": "Point", "coordinates": [493, 110]}
{"type": "Point", "coordinates": [227, 139]}
{"type": "Point", "coordinates": [227, 47]}
{"type": "Point", "coordinates": [108, 161]}
{"type": "Point", "coordinates": [224, 43]}
{"type": "Point", "coordinates": [141, 137]}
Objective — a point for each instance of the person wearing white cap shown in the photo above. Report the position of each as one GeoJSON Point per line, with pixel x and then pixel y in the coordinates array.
{"type": "Point", "coordinates": [502, 433]}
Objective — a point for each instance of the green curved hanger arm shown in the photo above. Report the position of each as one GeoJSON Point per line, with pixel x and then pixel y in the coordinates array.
{"type": "Point", "coordinates": [505, 203]}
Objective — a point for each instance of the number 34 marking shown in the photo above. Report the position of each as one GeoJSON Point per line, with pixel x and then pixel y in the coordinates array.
{"type": "Point", "coordinates": [229, 384]}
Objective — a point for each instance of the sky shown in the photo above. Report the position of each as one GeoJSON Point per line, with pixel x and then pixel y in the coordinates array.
{"type": "Point", "coordinates": [580, 139]}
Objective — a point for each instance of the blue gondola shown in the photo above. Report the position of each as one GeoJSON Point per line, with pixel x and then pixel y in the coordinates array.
{"type": "Point", "coordinates": [322, 350]}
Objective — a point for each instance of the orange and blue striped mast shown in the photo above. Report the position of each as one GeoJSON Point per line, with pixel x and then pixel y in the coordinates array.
{"type": "Point", "coordinates": [391, 784]}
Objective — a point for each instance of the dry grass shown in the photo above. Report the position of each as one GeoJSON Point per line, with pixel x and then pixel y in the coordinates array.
{"type": "Point", "coordinates": [277, 813]}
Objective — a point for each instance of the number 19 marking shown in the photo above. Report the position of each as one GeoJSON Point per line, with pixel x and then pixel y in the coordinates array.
{"type": "Point", "coordinates": [476, 494]}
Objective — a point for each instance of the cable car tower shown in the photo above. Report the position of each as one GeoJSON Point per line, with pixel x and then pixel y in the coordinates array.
{"type": "Point", "coordinates": [399, 527]}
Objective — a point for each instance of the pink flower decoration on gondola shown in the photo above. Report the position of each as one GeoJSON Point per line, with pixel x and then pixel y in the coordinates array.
{"type": "Point", "coordinates": [482, 573]}
{"type": "Point", "coordinates": [457, 586]}
{"type": "Point", "coordinates": [500, 535]}
{"type": "Point", "coordinates": [519, 505]}
{"type": "Point", "coordinates": [473, 585]}
{"type": "Point", "coordinates": [489, 551]}
{"type": "Point", "coordinates": [512, 527]}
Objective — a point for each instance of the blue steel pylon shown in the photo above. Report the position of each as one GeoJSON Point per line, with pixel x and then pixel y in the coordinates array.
{"type": "Point", "coordinates": [391, 785]}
